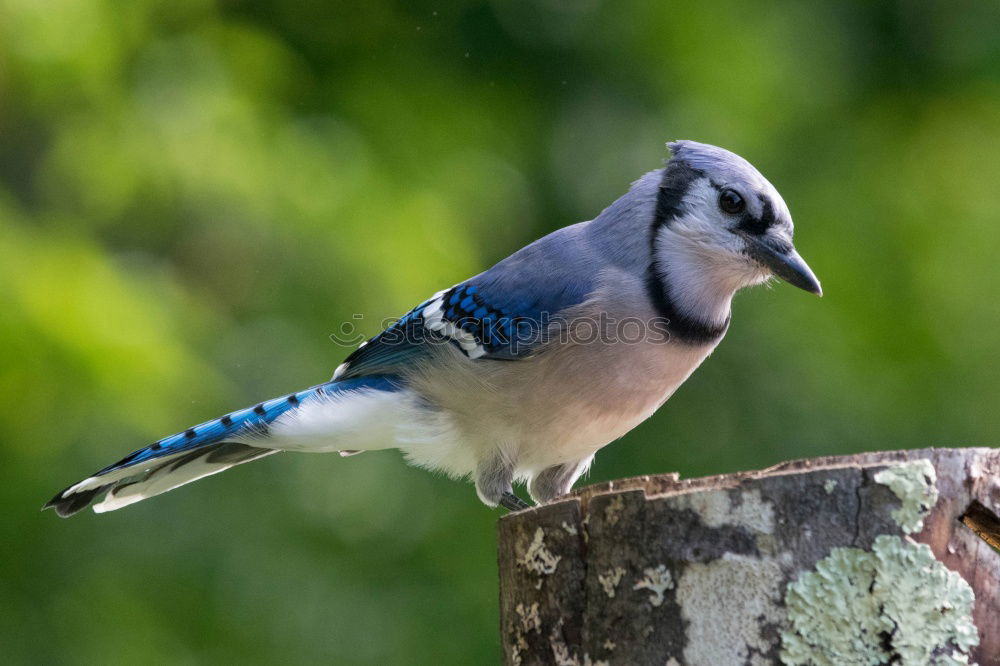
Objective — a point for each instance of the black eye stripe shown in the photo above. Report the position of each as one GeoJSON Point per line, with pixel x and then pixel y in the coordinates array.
{"type": "Point", "coordinates": [749, 223]}
{"type": "Point", "coordinates": [759, 225]}
{"type": "Point", "coordinates": [767, 211]}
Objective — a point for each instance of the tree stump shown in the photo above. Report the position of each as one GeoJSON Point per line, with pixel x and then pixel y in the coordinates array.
{"type": "Point", "coordinates": [869, 559]}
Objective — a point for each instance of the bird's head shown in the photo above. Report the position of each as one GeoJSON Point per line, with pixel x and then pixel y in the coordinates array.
{"type": "Point", "coordinates": [718, 218]}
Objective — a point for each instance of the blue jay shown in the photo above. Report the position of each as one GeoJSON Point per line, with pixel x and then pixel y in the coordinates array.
{"type": "Point", "coordinates": [521, 373]}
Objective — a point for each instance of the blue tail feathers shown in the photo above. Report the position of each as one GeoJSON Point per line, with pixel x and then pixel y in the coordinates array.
{"type": "Point", "coordinates": [241, 422]}
{"type": "Point", "coordinates": [204, 436]}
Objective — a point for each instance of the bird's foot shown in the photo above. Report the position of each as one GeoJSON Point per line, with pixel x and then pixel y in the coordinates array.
{"type": "Point", "coordinates": [512, 502]}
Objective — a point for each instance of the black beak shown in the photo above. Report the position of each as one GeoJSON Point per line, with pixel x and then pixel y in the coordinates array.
{"type": "Point", "coordinates": [784, 262]}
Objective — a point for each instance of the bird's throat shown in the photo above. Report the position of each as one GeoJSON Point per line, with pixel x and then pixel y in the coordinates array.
{"type": "Point", "coordinates": [690, 294]}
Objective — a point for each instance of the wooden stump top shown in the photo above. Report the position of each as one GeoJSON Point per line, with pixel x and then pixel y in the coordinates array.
{"type": "Point", "coordinates": [810, 561]}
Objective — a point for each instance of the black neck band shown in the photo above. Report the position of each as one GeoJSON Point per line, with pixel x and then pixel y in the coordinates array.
{"type": "Point", "coordinates": [677, 178]}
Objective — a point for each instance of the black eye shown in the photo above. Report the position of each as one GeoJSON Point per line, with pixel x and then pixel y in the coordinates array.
{"type": "Point", "coordinates": [731, 201]}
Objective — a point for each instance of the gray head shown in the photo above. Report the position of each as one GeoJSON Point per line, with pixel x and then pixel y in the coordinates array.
{"type": "Point", "coordinates": [717, 213]}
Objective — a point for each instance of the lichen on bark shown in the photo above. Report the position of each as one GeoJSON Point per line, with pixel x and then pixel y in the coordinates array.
{"type": "Point", "coordinates": [894, 604]}
{"type": "Point", "coordinates": [914, 483]}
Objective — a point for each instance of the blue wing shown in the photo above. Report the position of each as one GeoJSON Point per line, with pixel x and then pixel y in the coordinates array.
{"type": "Point", "coordinates": [501, 314]}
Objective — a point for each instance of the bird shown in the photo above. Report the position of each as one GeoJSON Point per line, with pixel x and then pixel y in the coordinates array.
{"type": "Point", "coordinates": [523, 372]}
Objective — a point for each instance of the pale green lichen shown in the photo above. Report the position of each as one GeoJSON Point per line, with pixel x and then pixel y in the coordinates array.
{"type": "Point", "coordinates": [613, 511]}
{"type": "Point", "coordinates": [715, 508]}
{"type": "Point", "coordinates": [895, 603]}
{"type": "Point", "coordinates": [728, 605]}
{"type": "Point", "coordinates": [609, 580]}
{"type": "Point", "coordinates": [657, 580]}
{"type": "Point", "coordinates": [914, 485]}
{"type": "Point", "coordinates": [539, 559]}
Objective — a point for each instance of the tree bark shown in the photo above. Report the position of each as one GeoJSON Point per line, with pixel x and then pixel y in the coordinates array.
{"type": "Point", "coordinates": [828, 561]}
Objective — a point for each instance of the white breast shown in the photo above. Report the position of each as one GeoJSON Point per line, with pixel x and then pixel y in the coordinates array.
{"type": "Point", "coordinates": [615, 388]}
{"type": "Point", "coordinates": [557, 407]}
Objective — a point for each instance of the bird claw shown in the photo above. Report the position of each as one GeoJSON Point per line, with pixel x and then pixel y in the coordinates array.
{"type": "Point", "coordinates": [512, 502]}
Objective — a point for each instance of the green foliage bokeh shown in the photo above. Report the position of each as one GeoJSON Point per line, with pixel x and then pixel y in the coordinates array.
{"type": "Point", "coordinates": [195, 195]}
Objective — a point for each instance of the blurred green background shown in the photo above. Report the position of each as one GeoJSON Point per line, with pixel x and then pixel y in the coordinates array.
{"type": "Point", "coordinates": [195, 195]}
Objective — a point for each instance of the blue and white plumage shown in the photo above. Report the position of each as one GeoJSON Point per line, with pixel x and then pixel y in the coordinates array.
{"type": "Point", "coordinates": [522, 372]}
